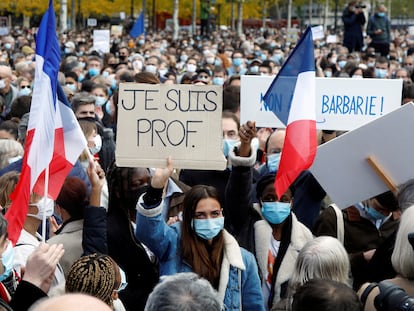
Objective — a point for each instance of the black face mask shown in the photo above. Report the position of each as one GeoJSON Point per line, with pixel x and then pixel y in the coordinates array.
{"type": "Point", "coordinates": [132, 196]}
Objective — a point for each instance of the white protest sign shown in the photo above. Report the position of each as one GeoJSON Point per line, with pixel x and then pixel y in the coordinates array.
{"type": "Point", "coordinates": [317, 32]}
{"type": "Point", "coordinates": [331, 39]}
{"type": "Point", "coordinates": [341, 165]}
{"type": "Point", "coordinates": [101, 40]}
{"type": "Point", "coordinates": [341, 103]}
{"type": "Point", "coordinates": [92, 22]}
{"type": "Point", "coordinates": [184, 121]}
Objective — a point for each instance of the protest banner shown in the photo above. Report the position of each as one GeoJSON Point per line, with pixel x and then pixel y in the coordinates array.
{"type": "Point", "coordinates": [342, 166]}
{"type": "Point", "coordinates": [341, 103]}
{"type": "Point", "coordinates": [317, 32]}
{"type": "Point", "coordinates": [101, 40]}
{"type": "Point", "coordinates": [184, 121]}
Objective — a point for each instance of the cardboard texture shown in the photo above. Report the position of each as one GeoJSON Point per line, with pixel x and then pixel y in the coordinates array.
{"type": "Point", "coordinates": [184, 121]}
{"type": "Point", "coordinates": [341, 165]}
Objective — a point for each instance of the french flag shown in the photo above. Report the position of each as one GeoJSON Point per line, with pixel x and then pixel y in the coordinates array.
{"type": "Point", "coordinates": [54, 138]}
{"type": "Point", "coordinates": [291, 97]}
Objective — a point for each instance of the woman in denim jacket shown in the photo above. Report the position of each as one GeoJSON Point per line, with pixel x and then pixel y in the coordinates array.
{"type": "Point", "coordinates": [199, 243]}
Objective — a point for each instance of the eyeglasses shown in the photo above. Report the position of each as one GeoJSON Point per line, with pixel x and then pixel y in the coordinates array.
{"type": "Point", "coordinates": [203, 77]}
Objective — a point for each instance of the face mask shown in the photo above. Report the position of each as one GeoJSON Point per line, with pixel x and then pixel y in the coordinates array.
{"type": "Point", "coordinates": [108, 108]}
{"type": "Point", "coordinates": [218, 81]}
{"type": "Point", "coordinates": [277, 58]}
{"type": "Point", "coordinates": [374, 214]}
{"type": "Point", "coordinates": [357, 77]}
{"type": "Point", "coordinates": [97, 140]}
{"type": "Point", "coordinates": [327, 74]}
{"type": "Point", "coordinates": [333, 60]}
{"type": "Point", "coordinates": [81, 77]}
{"type": "Point", "coordinates": [100, 101]}
{"type": "Point", "coordinates": [228, 144]}
{"type": "Point", "coordinates": [93, 72]}
{"type": "Point", "coordinates": [371, 64]}
{"type": "Point", "coordinates": [210, 60]}
{"type": "Point", "coordinates": [380, 73]}
{"type": "Point", "coordinates": [137, 65]}
{"type": "Point", "coordinates": [2, 84]}
{"type": "Point", "coordinates": [273, 161]}
{"type": "Point", "coordinates": [82, 65]}
{"type": "Point", "coordinates": [105, 74]}
{"type": "Point", "coordinates": [44, 208]}
{"type": "Point", "coordinates": [254, 69]}
{"type": "Point", "coordinates": [208, 228]}
{"type": "Point", "coordinates": [24, 92]}
{"type": "Point", "coordinates": [217, 62]}
{"type": "Point", "coordinates": [7, 46]}
{"type": "Point", "coordinates": [151, 68]}
{"type": "Point", "coordinates": [71, 87]}
{"type": "Point", "coordinates": [68, 50]}
{"type": "Point", "coordinates": [183, 58]}
{"type": "Point", "coordinates": [163, 72]}
{"type": "Point", "coordinates": [141, 42]}
{"type": "Point", "coordinates": [342, 63]}
{"type": "Point", "coordinates": [381, 14]}
{"type": "Point", "coordinates": [114, 84]}
{"type": "Point", "coordinates": [275, 212]}
{"type": "Point", "coordinates": [80, 53]}
{"type": "Point", "coordinates": [7, 260]}
{"type": "Point", "coordinates": [191, 68]}
{"type": "Point", "coordinates": [237, 62]}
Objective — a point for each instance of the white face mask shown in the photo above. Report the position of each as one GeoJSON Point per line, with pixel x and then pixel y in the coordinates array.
{"type": "Point", "coordinates": [45, 207]}
{"type": "Point", "coordinates": [97, 140]}
{"type": "Point", "coordinates": [2, 84]}
{"type": "Point", "coordinates": [151, 68]}
{"type": "Point", "coordinates": [191, 68]}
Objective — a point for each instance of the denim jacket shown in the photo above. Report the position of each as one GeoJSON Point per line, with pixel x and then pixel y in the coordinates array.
{"type": "Point", "coordinates": [239, 285]}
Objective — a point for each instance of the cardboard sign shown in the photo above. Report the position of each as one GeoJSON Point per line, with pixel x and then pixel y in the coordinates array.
{"type": "Point", "coordinates": [184, 121]}
{"type": "Point", "coordinates": [4, 26]}
{"type": "Point", "coordinates": [116, 30]}
{"type": "Point", "coordinates": [101, 40]}
{"type": "Point", "coordinates": [317, 32]}
{"type": "Point", "coordinates": [341, 165]}
{"type": "Point", "coordinates": [341, 103]}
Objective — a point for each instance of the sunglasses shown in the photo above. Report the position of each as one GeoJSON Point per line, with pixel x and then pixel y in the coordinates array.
{"type": "Point", "coordinates": [25, 87]}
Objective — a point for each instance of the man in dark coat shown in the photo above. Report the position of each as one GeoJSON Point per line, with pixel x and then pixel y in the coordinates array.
{"type": "Point", "coordinates": [354, 19]}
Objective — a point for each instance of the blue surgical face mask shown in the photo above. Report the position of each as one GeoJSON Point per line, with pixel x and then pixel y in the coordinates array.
{"type": "Point", "coordinates": [254, 69]}
{"type": "Point", "coordinates": [7, 46]}
{"type": "Point", "coordinates": [81, 77]}
{"type": "Point", "coordinates": [108, 107]}
{"type": "Point", "coordinates": [328, 73]}
{"type": "Point", "coordinates": [93, 72]}
{"type": "Point", "coordinates": [209, 228]}
{"type": "Point", "coordinates": [381, 14]}
{"type": "Point", "coordinates": [24, 92]}
{"type": "Point", "coordinates": [71, 87]}
{"type": "Point", "coordinates": [275, 212]}
{"type": "Point", "coordinates": [7, 261]}
{"type": "Point", "coordinates": [374, 214]}
{"type": "Point", "coordinates": [82, 64]}
{"type": "Point", "coordinates": [218, 81]}
{"type": "Point", "coordinates": [228, 144]}
{"type": "Point", "coordinates": [68, 50]}
{"type": "Point", "coordinates": [237, 61]}
{"type": "Point", "coordinates": [100, 100]}
{"type": "Point", "coordinates": [141, 42]}
{"type": "Point", "coordinates": [341, 63]}
{"type": "Point", "coordinates": [273, 161]}
{"type": "Point", "coordinates": [380, 73]}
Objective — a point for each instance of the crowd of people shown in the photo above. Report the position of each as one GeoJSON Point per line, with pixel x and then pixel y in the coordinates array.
{"type": "Point", "coordinates": [138, 238]}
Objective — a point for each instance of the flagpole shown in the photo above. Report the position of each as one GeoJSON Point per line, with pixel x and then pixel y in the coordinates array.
{"type": "Point", "coordinates": [46, 191]}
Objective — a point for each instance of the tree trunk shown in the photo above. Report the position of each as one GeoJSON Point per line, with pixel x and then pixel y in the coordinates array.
{"type": "Point", "coordinates": [239, 18]}
{"type": "Point", "coordinates": [175, 20]}
{"type": "Point", "coordinates": [194, 18]}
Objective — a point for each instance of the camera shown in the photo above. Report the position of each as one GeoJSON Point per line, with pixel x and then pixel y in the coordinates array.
{"type": "Point", "coordinates": [360, 6]}
{"type": "Point", "coordinates": [393, 298]}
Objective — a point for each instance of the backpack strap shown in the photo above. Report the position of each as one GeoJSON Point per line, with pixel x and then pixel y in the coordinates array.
{"type": "Point", "coordinates": [366, 293]}
{"type": "Point", "coordinates": [339, 223]}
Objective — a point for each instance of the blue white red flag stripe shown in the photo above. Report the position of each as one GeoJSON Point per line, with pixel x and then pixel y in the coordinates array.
{"type": "Point", "coordinates": [54, 139]}
{"type": "Point", "coordinates": [296, 82]}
